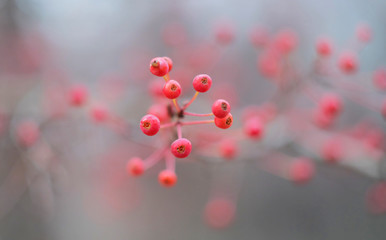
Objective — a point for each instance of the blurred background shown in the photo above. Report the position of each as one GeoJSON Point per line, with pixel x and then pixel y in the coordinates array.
{"type": "Point", "coordinates": [63, 167]}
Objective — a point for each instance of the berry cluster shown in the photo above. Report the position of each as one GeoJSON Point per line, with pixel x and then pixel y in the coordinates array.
{"type": "Point", "coordinates": [150, 124]}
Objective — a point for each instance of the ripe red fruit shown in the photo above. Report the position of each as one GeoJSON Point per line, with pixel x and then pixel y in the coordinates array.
{"type": "Point", "coordinates": [348, 62]}
{"type": "Point", "coordinates": [78, 95]}
{"type": "Point", "coordinates": [301, 170]}
{"type": "Point", "coordinates": [150, 125]}
{"type": "Point", "coordinates": [332, 151]}
{"type": "Point", "coordinates": [363, 33]}
{"type": "Point", "coordinates": [181, 148]}
{"type": "Point", "coordinates": [259, 37]}
{"type": "Point", "coordinates": [324, 47]}
{"type": "Point", "coordinates": [167, 178]}
{"type": "Point", "coordinates": [159, 66]}
{"type": "Point", "coordinates": [27, 133]}
{"type": "Point", "coordinates": [169, 62]}
{"type": "Point", "coordinates": [330, 105]}
{"type": "Point", "coordinates": [254, 128]}
{"type": "Point", "coordinates": [219, 213]}
{"type": "Point", "coordinates": [225, 32]}
{"type": "Point", "coordinates": [286, 41]}
{"type": "Point", "coordinates": [202, 83]}
{"type": "Point", "coordinates": [221, 108]}
{"type": "Point", "coordinates": [99, 113]}
{"type": "Point", "coordinates": [172, 89]}
{"type": "Point", "coordinates": [225, 122]}
{"type": "Point", "coordinates": [135, 166]}
{"type": "Point", "coordinates": [228, 148]}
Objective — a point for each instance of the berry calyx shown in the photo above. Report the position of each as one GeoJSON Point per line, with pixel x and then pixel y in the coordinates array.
{"type": "Point", "coordinates": [181, 148]}
{"type": "Point", "coordinates": [159, 66]}
{"type": "Point", "coordinates": [221, 108]}
{"type": "Point", "coordinates": [202, 83]}
{"type": "Point", "coordinates": [135, 166]}
{"type": "Point", "coordinates": [225, 122]}
{"type": "Point", "coordinates": [150, 125]}
{"type": "Point", "coordinates": [167, 178]}
{"type": "Point", "coordinates": [172, 89]}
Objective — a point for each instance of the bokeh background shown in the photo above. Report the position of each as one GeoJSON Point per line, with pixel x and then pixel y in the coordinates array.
{"type": "Point", "coordinates": [75, 186]}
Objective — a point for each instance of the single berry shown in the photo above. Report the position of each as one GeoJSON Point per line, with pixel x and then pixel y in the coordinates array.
{"type": "Point", "coordinates": [169, 62]}
{"type": "Point", "coordinates": [150, 125]}
{"type": "Point", "coordinates": [78, 95]}
{"type": "Point", "coordinates": [220, 108]}
{"type": "Point", "coordinates": [159, 66]}
{"type": "Point", "coordinates": [324, 47]}
{"type": "Point", "coordinates": [330, 105]}
{"type": "Point", "coordinates": [332, 151]}
{"type": "Point", "coordinates": [219, 213]}
{"type": "Point", "coordinates": [135, 166]}
{"type": "Point", "coordinates": [225, 122]}
{"type": "Point", "coordinates": [301, 170]}
{"type": "Point", "coordinates": [363, 33]}
{"type": "Point", "coordinates": [99, 114]}
{"type": "Point", "coordinates": [202, 83]}
{"type": "Point", "coordinates": [254, 128]}
{"type": "Point", "coordinates": [228, 149]}
{"type": "Point", "coordinates": [225, 33]}
{"type": "Point", "coordinates": [286, 41]}
{"type": "Point", "coordinates": [348, 62]}
{"type": "Point", "coordinates": [172, 89]}
{"type": "Point", "coordinates": [27, 133]}
{"type": "Point", "coordinates": [181, 148]}
{"type": "Point", "coordinates": [167, 178]}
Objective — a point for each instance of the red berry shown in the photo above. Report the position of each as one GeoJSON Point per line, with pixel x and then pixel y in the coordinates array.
{"type": "Point", "coordinates": [330, 105]}
{"type": "Point", "coordinates": [99, 113]}
{"type": "Point", "coordinates": [78, 95]}
{"type": "Point", "coordinates": [150, 125]}
{"type": "Point", "coordinates": [169, 62]}
{"type": "Point", "coordinates": [286, 41]}
{"type": "Point", "coordinates": [27, 133]}
{"type": "Point", "coordinates": [224, 32]}
{"type": "Point", "coordinates": [202, 83]}
{"type": "Point", "coordinates": [324, 47]}
{"type": "Point", "coordinates": [269, 64]}
{"type": "Point", "coordinates": [332, 151]}
{"type": "Point", "coordinates": [172, 89]}
{"type": "Point", "coordinates": [167, 178]}
{"type": "Point", "coordinates": [301, 170]}
{"type": "Point", "coordinates": [228, 148]}
{"type": "Point", "coordinates": [159, 66]}
{"type": "Point", "coordinates": [135, 166]}
{"type": "Point", "coordinates": [225, 122]}
{"type": "Point", "coordinates": [181, 148]}
{"type": "Point", "coordinates": [348, 62]}
{"type": "Point", "coordinates": [219, 213]}
{"type": "Point", "coordinates": [363, 33]}
{"type": "Point", "coordinates": [221, 108]}
{"type": "Point", "coordinates": [254, 128]}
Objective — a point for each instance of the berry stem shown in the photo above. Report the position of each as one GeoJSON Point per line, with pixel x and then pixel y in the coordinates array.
{"type": "Point", "coordinates": [191, 101]}
{"type": "Point", "coordinates": [166, 125]}
{"type": "Point", "coordinates": [179, 130]}
{"type": "Point", "coordinates": [154, 158]}
{"type": "Point", "coordinates": [166, 77]}
{"type": "Point", "coordinates": [196, 122]}
{"type": "Point", "coordinates": [170, 162]}
{"type": "Point", "coordinates": [198, 114]}
{"type": "Point", "coordinates": [176, 105]}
